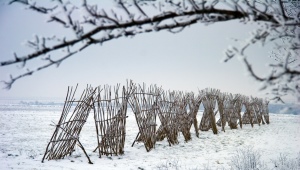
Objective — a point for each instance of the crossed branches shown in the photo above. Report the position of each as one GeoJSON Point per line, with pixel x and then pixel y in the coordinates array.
{"type": "Point", "coordinates": [131, 18]}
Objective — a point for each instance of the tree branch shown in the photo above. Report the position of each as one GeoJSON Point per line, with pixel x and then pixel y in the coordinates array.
{"type": "Point", "coordinates": [227, 15]}
{"type": "Point", "coordinates": [277, 22]}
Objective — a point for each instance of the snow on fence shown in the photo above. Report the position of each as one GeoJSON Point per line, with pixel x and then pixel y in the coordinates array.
{"type": "Point", "coordinates": [194, 105]}
{"type": "Point", "coordinates": [110, 119]}
{"type": "Point", "coordinates": [249, 116]}
{"type": "Point", "coordinates": [168, 117]}
{"type": "Point", "coordinates": [144, 105]}
{"type": "Point", "coordinates": [184, 115]}
{"type": "Point", "coordinates": [230, 113]}
{"type": "Point", "coordinates": [208, 120]}
{"type": "Point", "coordinates": [237, 109]}
{"type": "Point", "coordinates": [177, 112]}
{"type": "Point", "coordinates": [69, 126]}
{"type": "Point", "coordinates": [220, 101]}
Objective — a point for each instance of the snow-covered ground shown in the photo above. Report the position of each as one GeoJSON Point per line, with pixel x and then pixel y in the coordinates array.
{"type": "Point", "coordinates": [25, 131]}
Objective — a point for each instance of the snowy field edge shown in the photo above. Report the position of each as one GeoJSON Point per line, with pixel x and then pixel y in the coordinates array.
{"type": "Point", "coordinates": [26, 130]}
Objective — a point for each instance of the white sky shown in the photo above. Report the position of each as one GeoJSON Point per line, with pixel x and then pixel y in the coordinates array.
{"type": "Point", "coordinates": [186, 61]}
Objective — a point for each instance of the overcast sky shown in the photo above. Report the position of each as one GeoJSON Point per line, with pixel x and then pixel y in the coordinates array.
{"type": "Point", "coordinates": [186, 61]}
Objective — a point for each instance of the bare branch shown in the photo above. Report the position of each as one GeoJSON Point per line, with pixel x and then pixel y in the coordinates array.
{"type": "Point", "coordinates": [277, 22]}
{"type": "Point", "coordinates": [140, 9]}
{"type": "Point", "coordinates": [8, 84]}
{"type": "Point", "coordinates": [39, 9]}
{"type": "Point", "coordinates": [228, 15]}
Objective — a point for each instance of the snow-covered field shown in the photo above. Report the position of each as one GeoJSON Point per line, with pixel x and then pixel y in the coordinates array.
{"type": "Point", "coordinates": [25, 130]}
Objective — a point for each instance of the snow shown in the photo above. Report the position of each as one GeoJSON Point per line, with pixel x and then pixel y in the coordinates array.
{"type": "Point", "coordinates": [25, 131]}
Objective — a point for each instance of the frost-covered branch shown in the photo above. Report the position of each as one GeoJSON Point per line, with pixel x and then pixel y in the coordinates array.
{"type": "Point", "coordinates": [103, 22]}
{"type": "Point", "coordinates": [93, 25]}
{"type": "Point", "coordinates": [284, 74]}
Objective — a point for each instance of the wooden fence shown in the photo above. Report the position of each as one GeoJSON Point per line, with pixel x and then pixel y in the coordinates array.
{"type": "Point", "coordinates": [177, 112]}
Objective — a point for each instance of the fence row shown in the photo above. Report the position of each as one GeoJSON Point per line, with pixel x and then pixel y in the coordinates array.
{"type": "Point", "coordinates": [176, 111]}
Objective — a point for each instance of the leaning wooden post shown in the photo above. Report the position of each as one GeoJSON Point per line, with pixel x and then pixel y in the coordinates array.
{"type": "Point", "coordinates": [235, 109]}
{"type": "Point", "coordinates": [144, 104]}
{"type": "Point", "coordinates": [209, 102]}
{"type": "Point", "coordinates": [222, 120]}
{"type": "Point", "coordinates": [197, 101]}
{"type": "Point", "coordinates": [168, 118]}
{"type": "Point", "coordinates": [248, 115]}
{"type": "Point", "coordinates": [67, 131]}
{"type": "Point", "coordinates": [228, 108]}
{"type": "Point", "coordinates": [257, 110]}
{"type": "Point", "coordinates": [266, 111]}
{"type": "Point", "coordinates": [185, 117]}
{"type": "Point", "coordinates": [261, 110]}
{"type": "Point", "coordinates": [238, 109]}
{"type": "Point", "coordinates": [110, 119]}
